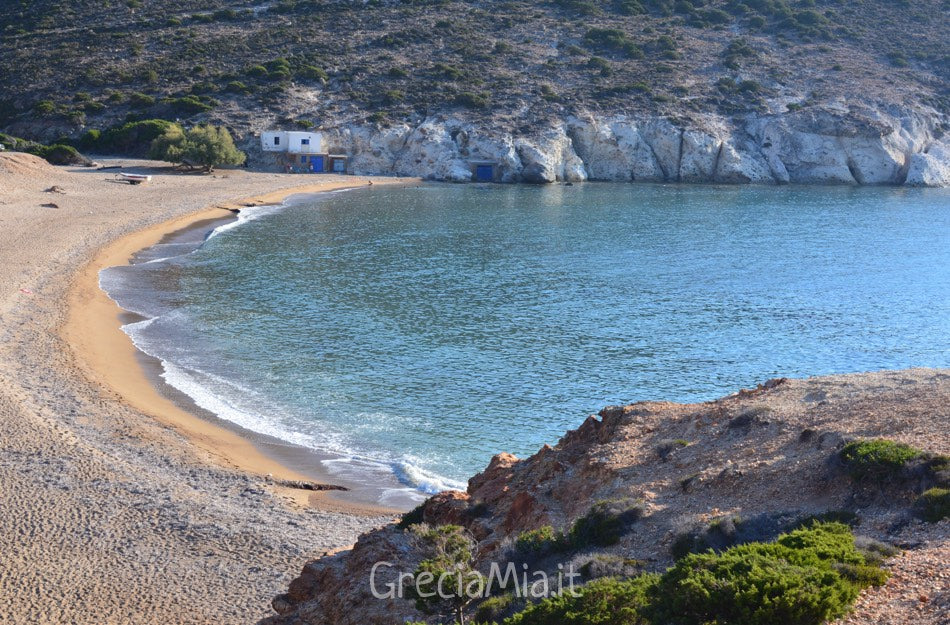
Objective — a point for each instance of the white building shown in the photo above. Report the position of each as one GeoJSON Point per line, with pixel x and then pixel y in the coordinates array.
{"type": "Point", "coordinates": [292, 142]}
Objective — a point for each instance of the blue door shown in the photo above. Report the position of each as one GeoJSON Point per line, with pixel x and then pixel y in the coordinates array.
{"type": "Point", "coordinates": [317, 163]}
{"type": "Point", "coordinates": [484, 173]}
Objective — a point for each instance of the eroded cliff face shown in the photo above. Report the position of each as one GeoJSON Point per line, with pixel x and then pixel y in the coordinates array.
{"type": "Point", "coordinates": [854, 145]}
{"type": "Point", "coordinates": [769, 456]}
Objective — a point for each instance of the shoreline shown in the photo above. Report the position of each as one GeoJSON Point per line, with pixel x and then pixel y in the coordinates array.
{"type": "Point", "coordinates": [109, 513]}
{"type": "Point", "coordinates": [93, 330]}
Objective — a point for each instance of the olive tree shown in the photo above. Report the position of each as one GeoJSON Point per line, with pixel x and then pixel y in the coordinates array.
{"type": "Point", "coordinates": [205, 146]}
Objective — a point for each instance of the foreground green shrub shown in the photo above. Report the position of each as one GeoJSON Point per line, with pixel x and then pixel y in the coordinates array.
{"type": "Point", "coordinates": [876, 459]}
{"type": "Point", "coordinates": [491, 609]}
{"type": "Point", "coordinates": [606, 601]}
{"type": "Point", "coordinates": [934, 505]}
{"type": "Point", "coordinates": [806, 577]}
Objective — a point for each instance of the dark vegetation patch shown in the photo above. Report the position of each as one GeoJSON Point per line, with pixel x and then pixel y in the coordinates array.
{"type": "Point", "coordinates": [933, 505]}
{"type": "Point", "coordinates": [413, 517]}
{"type": "Point", "coordinates": [729, 531]}
{"type": "Point", "coordinates": [605, 523]}
{"type": "Point", "coordinates": [749, 418]}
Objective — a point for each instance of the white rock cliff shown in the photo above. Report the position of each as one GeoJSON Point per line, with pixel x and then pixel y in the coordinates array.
{"type": "Point", "coordinates": [815, 146]}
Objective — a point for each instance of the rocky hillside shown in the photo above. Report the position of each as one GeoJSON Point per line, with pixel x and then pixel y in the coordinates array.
{"type": "Point", "coordinates": [865, 82]}
{"type": "Point", "coordinates": [651, 482]}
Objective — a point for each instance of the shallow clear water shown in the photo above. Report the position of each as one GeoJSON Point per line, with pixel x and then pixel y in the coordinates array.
{"type": "Point", "coordinates": [425, 329]}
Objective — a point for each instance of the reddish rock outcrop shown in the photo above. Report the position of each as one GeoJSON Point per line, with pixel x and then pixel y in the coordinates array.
{"type": "Point", "coordinates": [764, 453]}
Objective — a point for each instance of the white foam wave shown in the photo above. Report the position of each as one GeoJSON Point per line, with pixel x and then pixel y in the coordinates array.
{"type": "Point", "coordinates": [428, 482]}
{"type": "Point", "coordinates": [243, 406]}
{"type": "Point", "coordinates": [246, 215]}
{"type": "Point", "coordinates": [215, 394]}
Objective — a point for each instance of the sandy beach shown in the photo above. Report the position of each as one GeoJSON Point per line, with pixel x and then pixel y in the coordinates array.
{"type": "Point", "coordinates": [117, 505]}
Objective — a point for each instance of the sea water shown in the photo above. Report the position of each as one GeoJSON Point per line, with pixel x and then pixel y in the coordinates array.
{"type": "Point", "coordinates": [418, 331]}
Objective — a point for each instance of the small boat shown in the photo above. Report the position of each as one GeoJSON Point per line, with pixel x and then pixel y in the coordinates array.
{"type": "Point", "coordinates": [133, 178]}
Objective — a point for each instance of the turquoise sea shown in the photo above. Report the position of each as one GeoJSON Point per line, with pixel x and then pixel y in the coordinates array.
{"type": "Point", "coordinates": [415, 332]}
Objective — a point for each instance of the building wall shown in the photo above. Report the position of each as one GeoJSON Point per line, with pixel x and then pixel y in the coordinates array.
{"type": "Point", "coordinates": [267, 141]}
{"type": "Point", "coordinates": [305, 142]}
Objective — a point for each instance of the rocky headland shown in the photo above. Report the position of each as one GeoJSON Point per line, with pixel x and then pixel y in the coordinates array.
{"type": "Point", "coordinates": [744, 467]}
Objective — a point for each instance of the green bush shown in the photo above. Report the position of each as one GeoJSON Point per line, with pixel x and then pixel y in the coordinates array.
{"type": "Point", "coordinates": [845, 517]}
{"type": "Point", "coordinates": [236, 86]}
{"type": "Point", "coordinates": [605, 523]}
{"type": "Point", "coordinates": [93, 107]}
{"type": "Point", "coordinates": [44, 108]}
{"type": "Point", "coordinates": [578, 7]}
{"type": "Point", "coordinates": [472, 100]}
{"type": "Point", "coordinates": [90, 140]}
{"type": "Point", "coordinates": [312, 72]}
{"type": "Point", "coordinates": [448, 72]}
{"type": "Point", "coordinates": [737, 50]}
{"type": "Point", "coordinates": [257, 71]}
{"type": "Point", "coordinates": [394, 96]}
{"type": "Point", "coordinates": [600, 64]}
{"type": "Point", "coordinates": [140, 100]}
{"type": "Point", "coordinates": [614, 40]}
{"type": "Point", "coordinates": [876, 459]}
{"type": "Point", "coordinates": [538, 543]}
{"type": "Point", "coordinates": [207, 146]}
{"type": "Point", "coordinates": [133, 138]}
{"type": "Point", "coordinates": [667, 446]}
{"type": "Point", "coordinates": [58, 154]}
{"type": "Point", "coordinates": [189, 105]}
{"type": "Point", "coordinates": [493, 608]}
{"type": "Point", "coordinates": [605, 601]}
{"type": "Point", "coordinates": [934, 505]}
{"type": "Point", "coordinates": [452, 554]}
{"type": "Point", "coordinates": [806, 577]}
